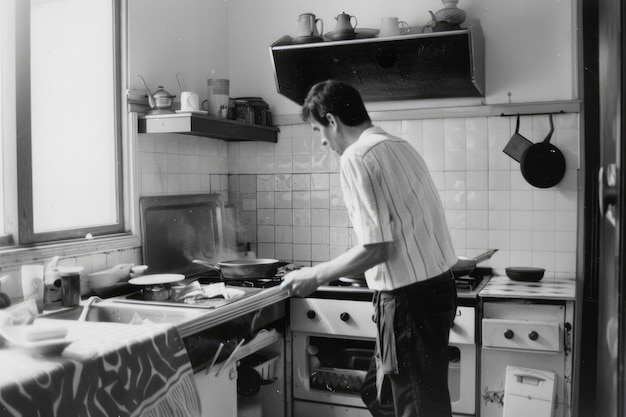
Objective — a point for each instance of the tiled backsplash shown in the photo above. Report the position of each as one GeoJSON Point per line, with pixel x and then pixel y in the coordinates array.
{"type": "Point", "coordinates": [288, 201]}
{"type": "Point", "coordinates": [177, 164]}
{"type": "Point", "coordinates": [291, 192]}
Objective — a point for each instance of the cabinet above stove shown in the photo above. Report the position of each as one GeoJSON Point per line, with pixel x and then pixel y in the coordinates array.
{"type": "Point", "coordinates": [413, 66]}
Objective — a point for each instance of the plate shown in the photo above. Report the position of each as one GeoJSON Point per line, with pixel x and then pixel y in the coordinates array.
{"type": "Point", "coordinates": [359, 33]}
{"type": "Point", "coordinates": [307, 39]}
{"type": "Point", "coordinates": [156, 279]}
{"type": "Point", "coordinates": [192, 111]}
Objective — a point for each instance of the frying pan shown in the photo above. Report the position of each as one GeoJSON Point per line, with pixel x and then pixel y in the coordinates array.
{"type": "Point", "coordinates": [543, 164]}
{"type": "Point", "coordinates": [244, 269]}
{"type": "Point", "coordinates": [465, 266]}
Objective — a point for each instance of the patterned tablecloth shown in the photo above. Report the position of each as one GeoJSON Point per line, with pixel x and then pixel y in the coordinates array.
{"type": "Point", "coordinates": [108, 370]}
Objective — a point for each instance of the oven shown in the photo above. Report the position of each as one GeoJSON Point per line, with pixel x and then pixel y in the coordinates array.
{"type": "Point", "coordinates": [333, 340]}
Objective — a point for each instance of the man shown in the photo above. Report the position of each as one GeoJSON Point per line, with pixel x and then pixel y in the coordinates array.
{"type": "Point", "coordinates": [404, 249]}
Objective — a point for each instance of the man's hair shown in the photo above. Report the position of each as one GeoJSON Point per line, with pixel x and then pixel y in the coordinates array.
{"type": "Point", "coordinates": [335, 97]}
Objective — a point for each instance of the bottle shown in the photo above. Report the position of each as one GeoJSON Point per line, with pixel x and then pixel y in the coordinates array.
{"type": "Point", "coordinates": [52, 282]}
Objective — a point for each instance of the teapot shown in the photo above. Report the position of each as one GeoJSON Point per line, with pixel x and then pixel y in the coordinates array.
{"type": "Point", "coordinates": [160, 101]}
{"type": "Point", "coordinates": [438, 26]}
{"type": "Point", "coordinates": [448, 18]}
{"type": "Point", "coordinates": [344, 23]}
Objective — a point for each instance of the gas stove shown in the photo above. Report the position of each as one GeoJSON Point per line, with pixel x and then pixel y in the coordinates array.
{"type": "Point", "coordinates": [467, 287]}
{"type": "Point", "coordinates": [467, 283]}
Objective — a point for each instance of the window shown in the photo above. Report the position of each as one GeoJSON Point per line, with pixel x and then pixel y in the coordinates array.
{"type": "Point", "coordinates": [66, 108]}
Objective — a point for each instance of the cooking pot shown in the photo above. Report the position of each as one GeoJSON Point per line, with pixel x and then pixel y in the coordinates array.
{"type": "Point", "coordinates": [465, 266]}
{"type": "Point", "coordinates": [518, 144]}
{"type": "Point", "coordinates": [244, 269]}
{"type": "Point", "coordinates": [543, 164]}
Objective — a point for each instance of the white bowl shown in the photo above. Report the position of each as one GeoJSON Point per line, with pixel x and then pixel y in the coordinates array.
{"type": "Point", "coordinates": [110, 281]}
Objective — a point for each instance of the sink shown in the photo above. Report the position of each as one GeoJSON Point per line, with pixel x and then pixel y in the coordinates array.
{"type": "Point", "coordinates": [114, 312]}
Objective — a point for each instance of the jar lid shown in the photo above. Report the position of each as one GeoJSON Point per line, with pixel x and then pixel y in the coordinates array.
{"type": "Point", "coordinates": [70, 270]}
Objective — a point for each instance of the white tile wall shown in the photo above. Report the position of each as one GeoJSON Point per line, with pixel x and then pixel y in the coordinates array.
{"type": "Point", "coordinates": [288, 199]}
{"type": "Point", "coordinates": [177, 164]}
{"type": "Point", "coordinates": [293, 191]}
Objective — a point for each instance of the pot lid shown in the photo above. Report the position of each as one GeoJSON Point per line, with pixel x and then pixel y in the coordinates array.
{"type": "Point", "coordinates": [161, 93]}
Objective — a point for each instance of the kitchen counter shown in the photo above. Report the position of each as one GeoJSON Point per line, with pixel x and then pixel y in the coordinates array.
{"type": "Point", "coordinates": [546, 289]}
{"type": "Point", "coordinates": [107, 369]}
{"type": "Point", "coordinates": [85, 377]}
{"type": "Point", "coordinates": [213, 317]}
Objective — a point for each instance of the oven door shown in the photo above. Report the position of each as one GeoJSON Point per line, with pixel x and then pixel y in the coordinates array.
{"type": "Point", "coordinates": [331, 343]}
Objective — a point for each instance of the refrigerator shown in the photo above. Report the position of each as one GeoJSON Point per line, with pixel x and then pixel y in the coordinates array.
{"type": "Point", "coordinates": [602, 296]}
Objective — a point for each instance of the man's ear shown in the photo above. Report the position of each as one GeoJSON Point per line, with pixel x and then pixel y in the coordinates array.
{"type": "Point", "coordinates": [331, 119]}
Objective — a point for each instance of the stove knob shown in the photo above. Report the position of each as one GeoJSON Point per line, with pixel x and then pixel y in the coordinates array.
{"type": "Point", "coordinates": [311, 314]}
{"type": "Point", "coordinates": [344, 316]}
{"type": "Point", "coordinates": [508, 334]}
{"type": "Point", "coordinates": [533, 335]}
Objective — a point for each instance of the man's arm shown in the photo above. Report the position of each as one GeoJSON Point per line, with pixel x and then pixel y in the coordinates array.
{"type": "Point", "coordinates": [356, 260]}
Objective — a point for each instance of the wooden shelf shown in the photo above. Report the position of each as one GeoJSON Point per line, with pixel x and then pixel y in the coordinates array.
{"type": "Point", "coordinates": [206, 126]}
{"type": "Point", "coordinates": [416, 65]}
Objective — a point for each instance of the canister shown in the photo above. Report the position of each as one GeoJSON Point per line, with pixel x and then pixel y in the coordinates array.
{"type": "Point", "coordinates": [217, 97]}
{"type": "Point", "coordinates": [70, 285]}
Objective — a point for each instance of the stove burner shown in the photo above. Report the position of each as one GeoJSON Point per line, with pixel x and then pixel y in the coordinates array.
{"type": "Point", "coordinates": [466, 283]}
{"type": "Point", "coordinates": [257, 282]}
{"type": "Point", "coordinates": [473, 280]}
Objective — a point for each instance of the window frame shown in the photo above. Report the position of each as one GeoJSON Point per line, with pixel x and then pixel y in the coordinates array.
{"type": "Point", "coordinates": [26, 234]}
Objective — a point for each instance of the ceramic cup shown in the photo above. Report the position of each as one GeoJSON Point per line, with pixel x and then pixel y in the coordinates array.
{"type": "Point", "coordinates": [189, 101]}
{"type": "Point", "coordinates": [391, 26]}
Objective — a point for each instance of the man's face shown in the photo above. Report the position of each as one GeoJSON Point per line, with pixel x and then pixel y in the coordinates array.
{"type": "Point", "coordinates": [328, 135]}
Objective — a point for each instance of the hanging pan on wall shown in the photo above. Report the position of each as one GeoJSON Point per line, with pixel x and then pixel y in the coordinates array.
{"type": "Point", "coordinates": [543, 164]}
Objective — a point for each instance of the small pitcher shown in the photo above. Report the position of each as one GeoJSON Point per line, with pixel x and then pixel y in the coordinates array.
{"type": "Point", "coordinates": [344, 23]}
{"type": "Point", "coordinates": [307, 25]}
{"type": "Point", "coordinates": [391, 26]}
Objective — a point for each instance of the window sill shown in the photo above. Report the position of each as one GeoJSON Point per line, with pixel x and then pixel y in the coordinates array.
{"type": "Point", "coordinates": [36, 253]}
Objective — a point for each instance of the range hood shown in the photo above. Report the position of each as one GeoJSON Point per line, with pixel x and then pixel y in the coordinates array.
{"type": "Point", "coordinates": [412, 66]}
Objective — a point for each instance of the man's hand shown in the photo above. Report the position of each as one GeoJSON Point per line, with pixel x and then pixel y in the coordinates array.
{"type": "Point", "coordinates": [356, 260]}
{"type": "Point", "coordinates": [300, 282]}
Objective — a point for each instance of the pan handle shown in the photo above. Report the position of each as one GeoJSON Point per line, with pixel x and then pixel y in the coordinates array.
{"type": "Point", "coordinates": [484, 256]}
{"type": "Point", "coordinates": [210, 266]}
{"type": "Point", "coordinates": [547, 139]}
